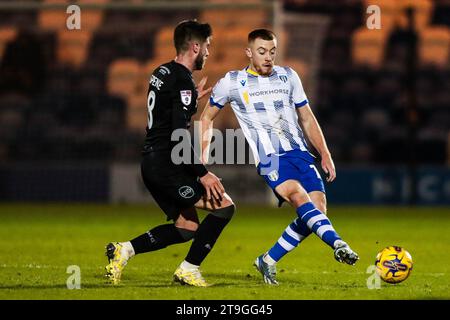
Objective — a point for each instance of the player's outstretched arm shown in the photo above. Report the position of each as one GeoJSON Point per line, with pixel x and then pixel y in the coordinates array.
{"type": "Point", "coordinates": [206, 129]}
{"type": "Point", "coordinates": [315, 135]}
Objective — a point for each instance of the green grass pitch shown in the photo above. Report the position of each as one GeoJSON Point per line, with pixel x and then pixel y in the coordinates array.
{"type": "Point", "coordinates": [39, 242]}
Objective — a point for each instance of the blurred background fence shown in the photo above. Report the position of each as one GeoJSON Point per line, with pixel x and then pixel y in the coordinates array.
{"type": "Point", "coordinates": [73, 102]}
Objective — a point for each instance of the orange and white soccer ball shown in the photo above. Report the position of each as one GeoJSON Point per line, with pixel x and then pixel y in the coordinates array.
{"type": "Point", "coordinates": [394, 264]}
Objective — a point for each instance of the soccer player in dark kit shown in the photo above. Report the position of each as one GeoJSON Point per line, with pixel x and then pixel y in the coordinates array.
{"type": "Point", "coordinates": [178, 189]}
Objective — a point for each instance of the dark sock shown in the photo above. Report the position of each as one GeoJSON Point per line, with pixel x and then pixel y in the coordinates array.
{"type": "Point", "coordinates": [157, 238]}
{"type": "Point", "coordinates": [205, 238]}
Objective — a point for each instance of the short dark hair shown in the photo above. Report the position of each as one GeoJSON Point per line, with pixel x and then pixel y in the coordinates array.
{"type": "Point", "coordinates": [261, 33]}
{"type": "Point", "coordinates": [188, 30]}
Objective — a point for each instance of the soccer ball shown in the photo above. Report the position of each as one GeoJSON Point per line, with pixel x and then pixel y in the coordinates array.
{"type": "Point", "coordinates": [394, 264]}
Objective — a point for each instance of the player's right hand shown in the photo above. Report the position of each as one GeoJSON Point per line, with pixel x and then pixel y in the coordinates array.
{"type": "Point", "coordinates": [328, 167]}
{"type": "Point", "coordinates": [213, 186]}
{"type": "Point", "coordinates": [200, 91]}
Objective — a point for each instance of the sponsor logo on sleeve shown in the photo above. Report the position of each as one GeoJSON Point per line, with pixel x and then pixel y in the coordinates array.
{"type": "Point", "coordinates": [164, 70]}
{"type": "Point", "coordinates": [186, 97]}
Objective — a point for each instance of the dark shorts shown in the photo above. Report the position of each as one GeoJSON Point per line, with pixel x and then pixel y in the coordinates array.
{"type": "Point", "coordinates": [174, 187]}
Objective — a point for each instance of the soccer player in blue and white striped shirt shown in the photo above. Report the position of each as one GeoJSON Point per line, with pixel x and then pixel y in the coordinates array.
{"type": "Point", "coordinates": [269, 101]}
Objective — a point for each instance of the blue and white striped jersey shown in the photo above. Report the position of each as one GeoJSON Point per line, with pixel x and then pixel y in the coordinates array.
{"type": "Point", "coordinates": [265, 108]}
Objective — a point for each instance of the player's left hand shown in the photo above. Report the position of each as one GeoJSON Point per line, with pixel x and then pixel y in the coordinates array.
{"type": "Point", "coordinates": [202, 92]}
{"type": "Point", "coordinates": [213, 186]}
{"type": "Point", "coordinates": [328, 166]}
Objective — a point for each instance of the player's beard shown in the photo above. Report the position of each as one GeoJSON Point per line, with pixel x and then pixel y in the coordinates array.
{"type": "Point", "coordinates": [260, 68]}
{"type": "Point", "coordinates": [199, 62]}
{"type": "Point", "coordinates": [265, 70]}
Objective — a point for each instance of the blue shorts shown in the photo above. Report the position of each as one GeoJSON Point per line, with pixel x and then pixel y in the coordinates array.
{"type": "Point", "coordinates": [291, 165]}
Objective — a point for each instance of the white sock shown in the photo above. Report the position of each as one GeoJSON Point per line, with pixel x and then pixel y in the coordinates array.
{"type": "Point", "coordinates": [128, 249]}
{"type": "Point", "coordinates": [339, 243]}
{"type": "Point", "coordinates": [268, 259]}
{"type": "Point", "coordinates": [188, 266]}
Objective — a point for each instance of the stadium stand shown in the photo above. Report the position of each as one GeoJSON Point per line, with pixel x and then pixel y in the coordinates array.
{"type": "Point", "coordinates": [73, 47]}
{"type": "Point", "coordinates": [434, 46]}
{"type": "Point", "coordinates": [52, 19]}
{"type": "Point", "coordinates": [7, 34]}
{"type": "Point", "coordinates": [368, 46]}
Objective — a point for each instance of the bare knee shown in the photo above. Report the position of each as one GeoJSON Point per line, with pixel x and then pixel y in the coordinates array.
{"type": "Point", "coordinates": [183, 223]}
{"type": "Point", "coordinates": [293, 192]}
{"type": "Point", "coordinates": [226, 201]}
{"type": "Point", "coordinates": [225, 208]}
{"type": "Point", "coordinates": [298, 198]}
{"type": "Point", "coordinates": [187, 225]}
{"type": "Point", "coordinates": [212, 205]}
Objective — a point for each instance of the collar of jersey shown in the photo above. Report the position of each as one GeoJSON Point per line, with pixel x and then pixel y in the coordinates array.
{"type": "Point", "coordinates": [254, 73]}
{"type": "Point", "coordinates": [182, 66]}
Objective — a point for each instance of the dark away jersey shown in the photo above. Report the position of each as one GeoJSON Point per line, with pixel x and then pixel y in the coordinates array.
{"type": "Point", "coordinates": [171, 102]}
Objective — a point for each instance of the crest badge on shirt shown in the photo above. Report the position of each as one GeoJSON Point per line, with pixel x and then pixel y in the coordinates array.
{"type": "Point", "coordinates": [186, 96]}
{"type": "Point", "coordinates": [273, 175]}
